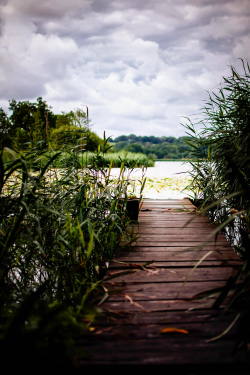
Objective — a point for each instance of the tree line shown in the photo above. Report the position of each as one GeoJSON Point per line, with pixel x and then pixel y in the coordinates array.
{"type": "Point", "coordinates": [154, 147]}
{"type": "Point", "coordinates": [31, 122]}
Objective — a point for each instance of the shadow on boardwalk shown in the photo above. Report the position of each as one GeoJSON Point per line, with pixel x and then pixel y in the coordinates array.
{"type": "Point", "coordinates": [146, 318]}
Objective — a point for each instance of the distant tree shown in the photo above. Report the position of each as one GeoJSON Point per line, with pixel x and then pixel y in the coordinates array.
{"type": "Point", "coordinates": [135, 148]}
{"type": "Point", "coordinates": [170, 139]}
{"type": "Point", "coordinates": [118, 146]}
{"type": "Point", "coordinates": [121, 138]}
{"type": "Point", "coordinates": [5, 127]}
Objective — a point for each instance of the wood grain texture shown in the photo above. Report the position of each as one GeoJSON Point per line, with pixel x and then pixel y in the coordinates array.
{"type": "Point", "coordinates": [142, 299]}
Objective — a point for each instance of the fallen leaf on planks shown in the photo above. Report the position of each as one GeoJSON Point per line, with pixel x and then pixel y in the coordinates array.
{"type": "Point", "coordinates": [172, 329]}
{"type": "Point", "coordinates": [149, 272]}
{"type": "Point", "coordinates": [139, 266]}
{"type": "Point", "coordinates": [134, 265]}
{"type": "Point", "coordinates": [103, 330]}
{"type": "Point", "coordinates": [171, 271]}
{"type": "Point", "coordinates": [132, 302]}
{"type": "Point", "coordinates": [117, 274]}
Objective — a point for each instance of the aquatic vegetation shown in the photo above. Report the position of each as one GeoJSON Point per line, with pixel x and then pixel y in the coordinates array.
{"type": "Point", "coordinates": [106, 159]}
{"type": "Point", "coordinates": [58, 233]}
{"type": "Point", "coordinates": [221, 178]}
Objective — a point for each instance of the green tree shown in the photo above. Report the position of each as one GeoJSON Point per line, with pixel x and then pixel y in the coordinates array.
{"type": "Point", "coordinates": [30, 122]}
{"type": "Point", "coordinates": [5, 127]}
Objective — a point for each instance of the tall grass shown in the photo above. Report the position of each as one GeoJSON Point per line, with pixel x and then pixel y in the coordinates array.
{"type": "Point", "coordinates": [221, 177]}
{"type": "Point", "coordinates": [58, 232]}
{"type": "Point", "coordinates": [128, 159]}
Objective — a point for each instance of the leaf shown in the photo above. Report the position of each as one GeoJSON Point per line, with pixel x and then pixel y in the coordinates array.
{"type": "Point", "coordinates": [173, 330]}
{"type": "Point", "coordinates": [132, 302]}
{"type": "Point", "coordinates": [226, 330]}
{"type": "Point", "coordinates": [90, 244]}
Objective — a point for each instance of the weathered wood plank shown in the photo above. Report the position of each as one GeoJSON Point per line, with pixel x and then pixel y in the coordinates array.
{"type": "Point", "coordinates": [169, 351]}
{"type": "Point", "coordinates": [171, 231]}
{"type": "Point", "coordinates": [166, 218]}
{"type": "Point", "coordinates": [173, 224]}
{"type": "Point", "coordinates": [163, 291]}
{"type": "Point", "coordinates": [171, 318]}
{"type": "Point", "coordinates": [156, 218]}
{"type": "Point", "coordinates": [142, 302]}
{"type": "Point", "coordinates": [203, 330]}
{"type": "Point", "coordinates": [168, 264]}
{"type": "Point", "coordinates": [183, 244]}
{"type": "Point", "coordinates": [180, 237]}
{"type": "Point", "coordinates": [170, 254]}
{"type": "Point", "coordinates": [158, 305]}
{"type": "Point", "coordinates": [180, 247]}
{"type": "Point", "coordinates": [173, 275]}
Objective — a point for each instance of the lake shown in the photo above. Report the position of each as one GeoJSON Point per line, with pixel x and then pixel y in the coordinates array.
{"type": "Point", "coordinates": [165, 180]}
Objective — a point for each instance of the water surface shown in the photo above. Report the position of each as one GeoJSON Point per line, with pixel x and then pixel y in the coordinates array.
{"type": "Point", "coordinates": [165, 180]}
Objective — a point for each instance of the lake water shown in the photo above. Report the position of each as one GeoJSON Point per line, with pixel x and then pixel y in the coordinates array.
{"type": "Point", "coordinates": [164, 181]}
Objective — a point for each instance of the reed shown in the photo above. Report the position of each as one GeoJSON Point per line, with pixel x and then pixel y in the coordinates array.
{"type": "Point", "coordinates": [220, 143]}
{"type": "Point", "coordinates": [116, 159]}
{"type": "Point", "coordinates": [58, 233]}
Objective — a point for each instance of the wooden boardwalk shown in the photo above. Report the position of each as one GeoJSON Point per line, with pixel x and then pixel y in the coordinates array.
{"type": "Point", "coordinates": [144, 302]}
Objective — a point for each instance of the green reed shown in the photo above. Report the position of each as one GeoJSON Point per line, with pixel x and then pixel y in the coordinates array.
{"type": "Point", "coordinates": [58, 232]}
{"type": "Point", "coordinates": [220, 142]}
{"type": "Point", "coordinates": [85, 159]}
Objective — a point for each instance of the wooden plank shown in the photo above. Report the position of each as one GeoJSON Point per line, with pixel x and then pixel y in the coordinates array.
{"type": "Point", "coordinates": [163, 219]}
{"type": "Point", "coordinates": [160, 291]}
{"type": "Point", "coordinates": [174, 216]}
{"type": "Point", "coordinates": [171, 318]}
{"type": "Point", "coordinates": [177, 256]}
{"type": "Point", "coordinates": [165, 201]}
{"type": "Point", "coordinates": [173, 275]}
{"type": "Point", "coordinates": [142, 302]}
{"type": "Point", "coordinates": [185, 244]}
{"type": "Point", "coordinates": [183, 353]}
{"type": "Point", "coordinates": [179, 237]}
{"type": "Point", "coordinates": [167, 208]}
{"type": "Point", "coordinates": [173, 224]}
{"type": "Point", "coordinates": [180, 247]}
{"type": "Point", "coordinates": [203, 330]}
{"type": "Point", "coordinates": [168, 202]}
{"type": "Point", "coordinates": [184, 263]}
{"type": "Point", "coordinates": [172, 231]}
{"type": "Point", "coordinates": [158, 305]}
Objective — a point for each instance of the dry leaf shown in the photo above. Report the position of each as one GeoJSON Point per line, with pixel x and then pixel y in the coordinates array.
{"type": "Point", "coordinates": [172, 329]}
{"type": "Point", "coordinates": [103, 330]}
{"type": "Point", "coordinates": [132, 302]}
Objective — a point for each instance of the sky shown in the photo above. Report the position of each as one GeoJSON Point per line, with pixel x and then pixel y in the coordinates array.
{"type": "Point", "coordinates": [141, 66]}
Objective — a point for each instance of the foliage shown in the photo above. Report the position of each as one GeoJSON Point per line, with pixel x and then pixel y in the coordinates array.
{"type": "Point", "coordinates": [154, 147]}
{"type": "Point", "coordinates": [221, 174]}
{"type": "Point", "coordinates": [105, 159]}
{"type": "Point", "coordinates": [30, 123]}
{"type": "Point", "coordinates": [58, 231]}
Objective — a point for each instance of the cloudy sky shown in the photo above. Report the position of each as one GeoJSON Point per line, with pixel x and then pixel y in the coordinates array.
{"type": "Point", "coordinates": [139, 65]}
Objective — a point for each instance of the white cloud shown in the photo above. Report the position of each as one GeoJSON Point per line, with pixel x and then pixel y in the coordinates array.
{"type": "Point", "coordinates": [138, 65]}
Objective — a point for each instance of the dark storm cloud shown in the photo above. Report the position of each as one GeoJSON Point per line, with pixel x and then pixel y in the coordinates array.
{"type": "Point", "coordinates": [138, 64]}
